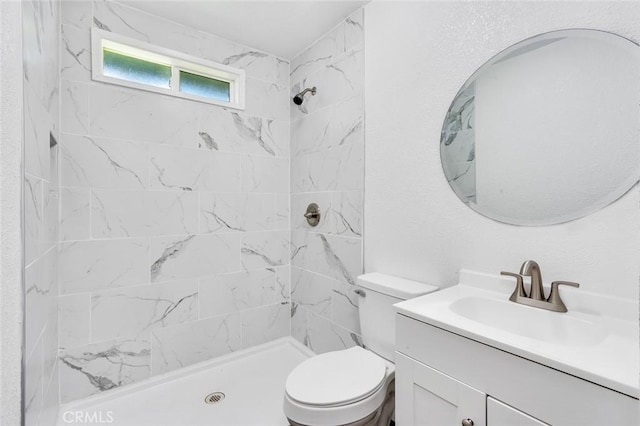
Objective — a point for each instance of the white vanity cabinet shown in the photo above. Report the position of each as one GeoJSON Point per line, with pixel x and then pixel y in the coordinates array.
{"type": "Point", "coordinates": [443, 378]}
{"type": "Point", "coordinates": [431, 398]}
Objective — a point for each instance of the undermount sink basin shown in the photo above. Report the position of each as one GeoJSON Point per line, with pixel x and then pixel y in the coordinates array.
{"type": "Point", "coordinates": [553, 327]}
{"type": "Point", "coordinates": [597, 339]}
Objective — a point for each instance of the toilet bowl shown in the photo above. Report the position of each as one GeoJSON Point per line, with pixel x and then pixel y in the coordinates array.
{"type": "Point", "coordinates": [355, 386]}
{"type": "Point", "coordinates": [338, 388]}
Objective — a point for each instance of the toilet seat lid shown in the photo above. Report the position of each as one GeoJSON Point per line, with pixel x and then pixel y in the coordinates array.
{"type": "Point", "coordinates": [336, 378]}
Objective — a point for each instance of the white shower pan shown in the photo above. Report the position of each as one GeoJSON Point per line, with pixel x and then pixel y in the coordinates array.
{"type": "Point", "coordinates": [251, 380]}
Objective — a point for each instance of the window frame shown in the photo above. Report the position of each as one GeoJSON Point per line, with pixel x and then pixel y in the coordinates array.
{"type": "Point", "coordinates": [178, 61]}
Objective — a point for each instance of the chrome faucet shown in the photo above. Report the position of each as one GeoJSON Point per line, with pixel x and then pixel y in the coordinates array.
{"type": "Point", "coordinates": [536, 298]}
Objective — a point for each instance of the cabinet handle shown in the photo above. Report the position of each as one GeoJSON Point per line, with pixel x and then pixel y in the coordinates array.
{"type": "Point", "coordinates": [467, 422]}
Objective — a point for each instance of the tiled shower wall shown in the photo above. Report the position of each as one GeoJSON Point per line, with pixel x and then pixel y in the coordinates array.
{"type": "Point", "coordinates": [327, 168]}
{"type": "Point", "coordinates": [40, 23]}
{"type": "Point", "coordinates": [174, 213]}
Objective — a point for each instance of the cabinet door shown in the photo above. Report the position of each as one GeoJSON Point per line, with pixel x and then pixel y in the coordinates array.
{"type": "Point", "coordinates": [500, 414]}
{"type": "Point", "coordinates": [427, 397]}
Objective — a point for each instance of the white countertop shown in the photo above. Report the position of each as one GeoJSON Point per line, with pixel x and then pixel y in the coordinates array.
{"type": "Point", "coordinates": [604, 348]}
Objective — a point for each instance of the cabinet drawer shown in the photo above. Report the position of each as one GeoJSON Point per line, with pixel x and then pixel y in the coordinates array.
{"type": "Point", "coordinates": [499, 414]}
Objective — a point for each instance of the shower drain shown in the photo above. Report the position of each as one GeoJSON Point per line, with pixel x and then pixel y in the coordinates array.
{"type": "Point", "coordinates": [214, 398]}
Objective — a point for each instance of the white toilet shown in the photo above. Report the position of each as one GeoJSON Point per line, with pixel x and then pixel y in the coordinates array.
{"type": "Point", "coordinates": [355, 386]}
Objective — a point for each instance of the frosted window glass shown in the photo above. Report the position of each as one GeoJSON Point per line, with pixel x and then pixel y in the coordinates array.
{"type": "Point", "coordinates": [204, 86]}
{"type": "Point", "coordinates": [129, 68]}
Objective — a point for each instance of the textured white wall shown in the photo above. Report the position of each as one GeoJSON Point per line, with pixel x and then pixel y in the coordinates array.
{"type": "Point", "coordinates": [10, 199]}
{"type": "Point", "coordinates": [417, 57]}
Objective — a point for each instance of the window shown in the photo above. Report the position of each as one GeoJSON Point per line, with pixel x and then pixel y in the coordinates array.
{"type": "Point", "coordinates": [127, 62]}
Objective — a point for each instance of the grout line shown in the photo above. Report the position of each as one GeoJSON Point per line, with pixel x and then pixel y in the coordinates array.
{"type": "Point", "coordinates": [90, 297]}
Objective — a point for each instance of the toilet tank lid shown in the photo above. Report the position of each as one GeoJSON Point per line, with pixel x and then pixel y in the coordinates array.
{"type": "Point", "coordinates": [397, 287]}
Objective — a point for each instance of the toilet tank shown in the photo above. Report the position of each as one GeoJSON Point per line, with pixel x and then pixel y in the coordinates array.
{"type": "Point", "coordinates": [377, 315]}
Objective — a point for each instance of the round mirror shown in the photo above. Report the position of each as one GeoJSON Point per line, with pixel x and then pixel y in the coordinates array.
{"type": "Point", "coordinates": [548, 130]}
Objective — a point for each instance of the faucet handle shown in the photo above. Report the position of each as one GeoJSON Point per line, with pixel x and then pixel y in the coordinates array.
{"type": "Point", "coordinates": [519, 291]}
{"type": "Point", "coordinates": [569, 283]}
{"type": "Point", "coordinates": [554, 295]}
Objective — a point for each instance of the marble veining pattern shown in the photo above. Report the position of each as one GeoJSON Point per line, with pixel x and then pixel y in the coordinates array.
{"type": "Point", "coordinates": [193, 169]}
{"type": "Point", "coordinates": [75, 53]}
{"type": "Point", "coordinates": [103, 163]}
{"type": "Point", "coordinates": [174, 218]}
{"type": "Point", "coordinates": [260, 325]}
{"type": "Point", "coordinates": [131, 312]}
{"type": "Point", "coordinates": [327, 167]}
{"type": "Point", "coordinates": [341, 80]}
{"type": "Point", "coordinates": [141, 116]}
{"type": "Point", "coordinates": [33, 385]}
{"type": "Point", "coordinates": [267, 99]}
{"type": "Point", "coordinates": [37, 294]}
{"type": "Point", "coordinates": [228, 293]}
{"type": "Point", "coordinates": [311, 291]}
{"type": "Point", "coordinates": [193, 256]}
{"type": "Point", "coordinates": [117, 214]}
{"type": "Point", "coordinates": [90, 369]}
{"type": "Point", "coordinates": [40, 23]}
{"type": "Point", "coordinates": [329, 148]}
{"type": "Point", "coordinates": [319, 333]}
{"type": "Point", "coordinates": [228, 130]}
{"type": "Point", "coordinates": [179, 346]}
{"type": "Point", "coordinates": [75, 214]}
{"type": "Point", "coordinates": [33, 216]}
{"type": "Point", "coordinates": [102, 264]}
{"type": "Point", "coordinates": [76, 13]}
{"type": "Point", "coordinates": [130, 22]}
{"type": "Point", "coordinates": [173, 249]}
{"type": "Point", "coordinates": [343, 38]}
{"type": "Point", "coordinates": [344, 303]}
{"type": "Point", "coordinates": [265, 249]}
{"type": "Point", "coordinates": [36, 132]}
{"type": "Point", "coordinates": [336, 257]}
{"type": "Point", "coordinates": [263, 174]}
{"type": "Point", "coordinates": [230, 212]}
{"type": "Point", "coordinates": [178, 218]}
{"type": "Point", "coordinates": [74, 313]}
{"type": "Point", "coordinates": [74, 115]}
{"type": "Point", "coordinates": [221, 213]}
{"type": "Point", "coordinates": [325, 336]}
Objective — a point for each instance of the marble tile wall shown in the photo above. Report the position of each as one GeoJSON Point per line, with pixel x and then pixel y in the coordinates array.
{"type": "Point", "coordinates": [175, 234]}
{"type": "Point", "coordinates": [40, 23]}
{"type": "Point", "coordinates": [327, 168]}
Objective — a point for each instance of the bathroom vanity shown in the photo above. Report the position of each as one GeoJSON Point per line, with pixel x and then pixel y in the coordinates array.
{"type": "Point", "coordinates": [468, 356]}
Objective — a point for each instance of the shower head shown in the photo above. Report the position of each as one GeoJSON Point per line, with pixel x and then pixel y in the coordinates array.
{"type": "Point", "coordinates": [299, 98]}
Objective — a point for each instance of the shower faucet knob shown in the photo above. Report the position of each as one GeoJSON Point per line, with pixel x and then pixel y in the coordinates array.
{"type": "Point", "coordinates": [313, 214]}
